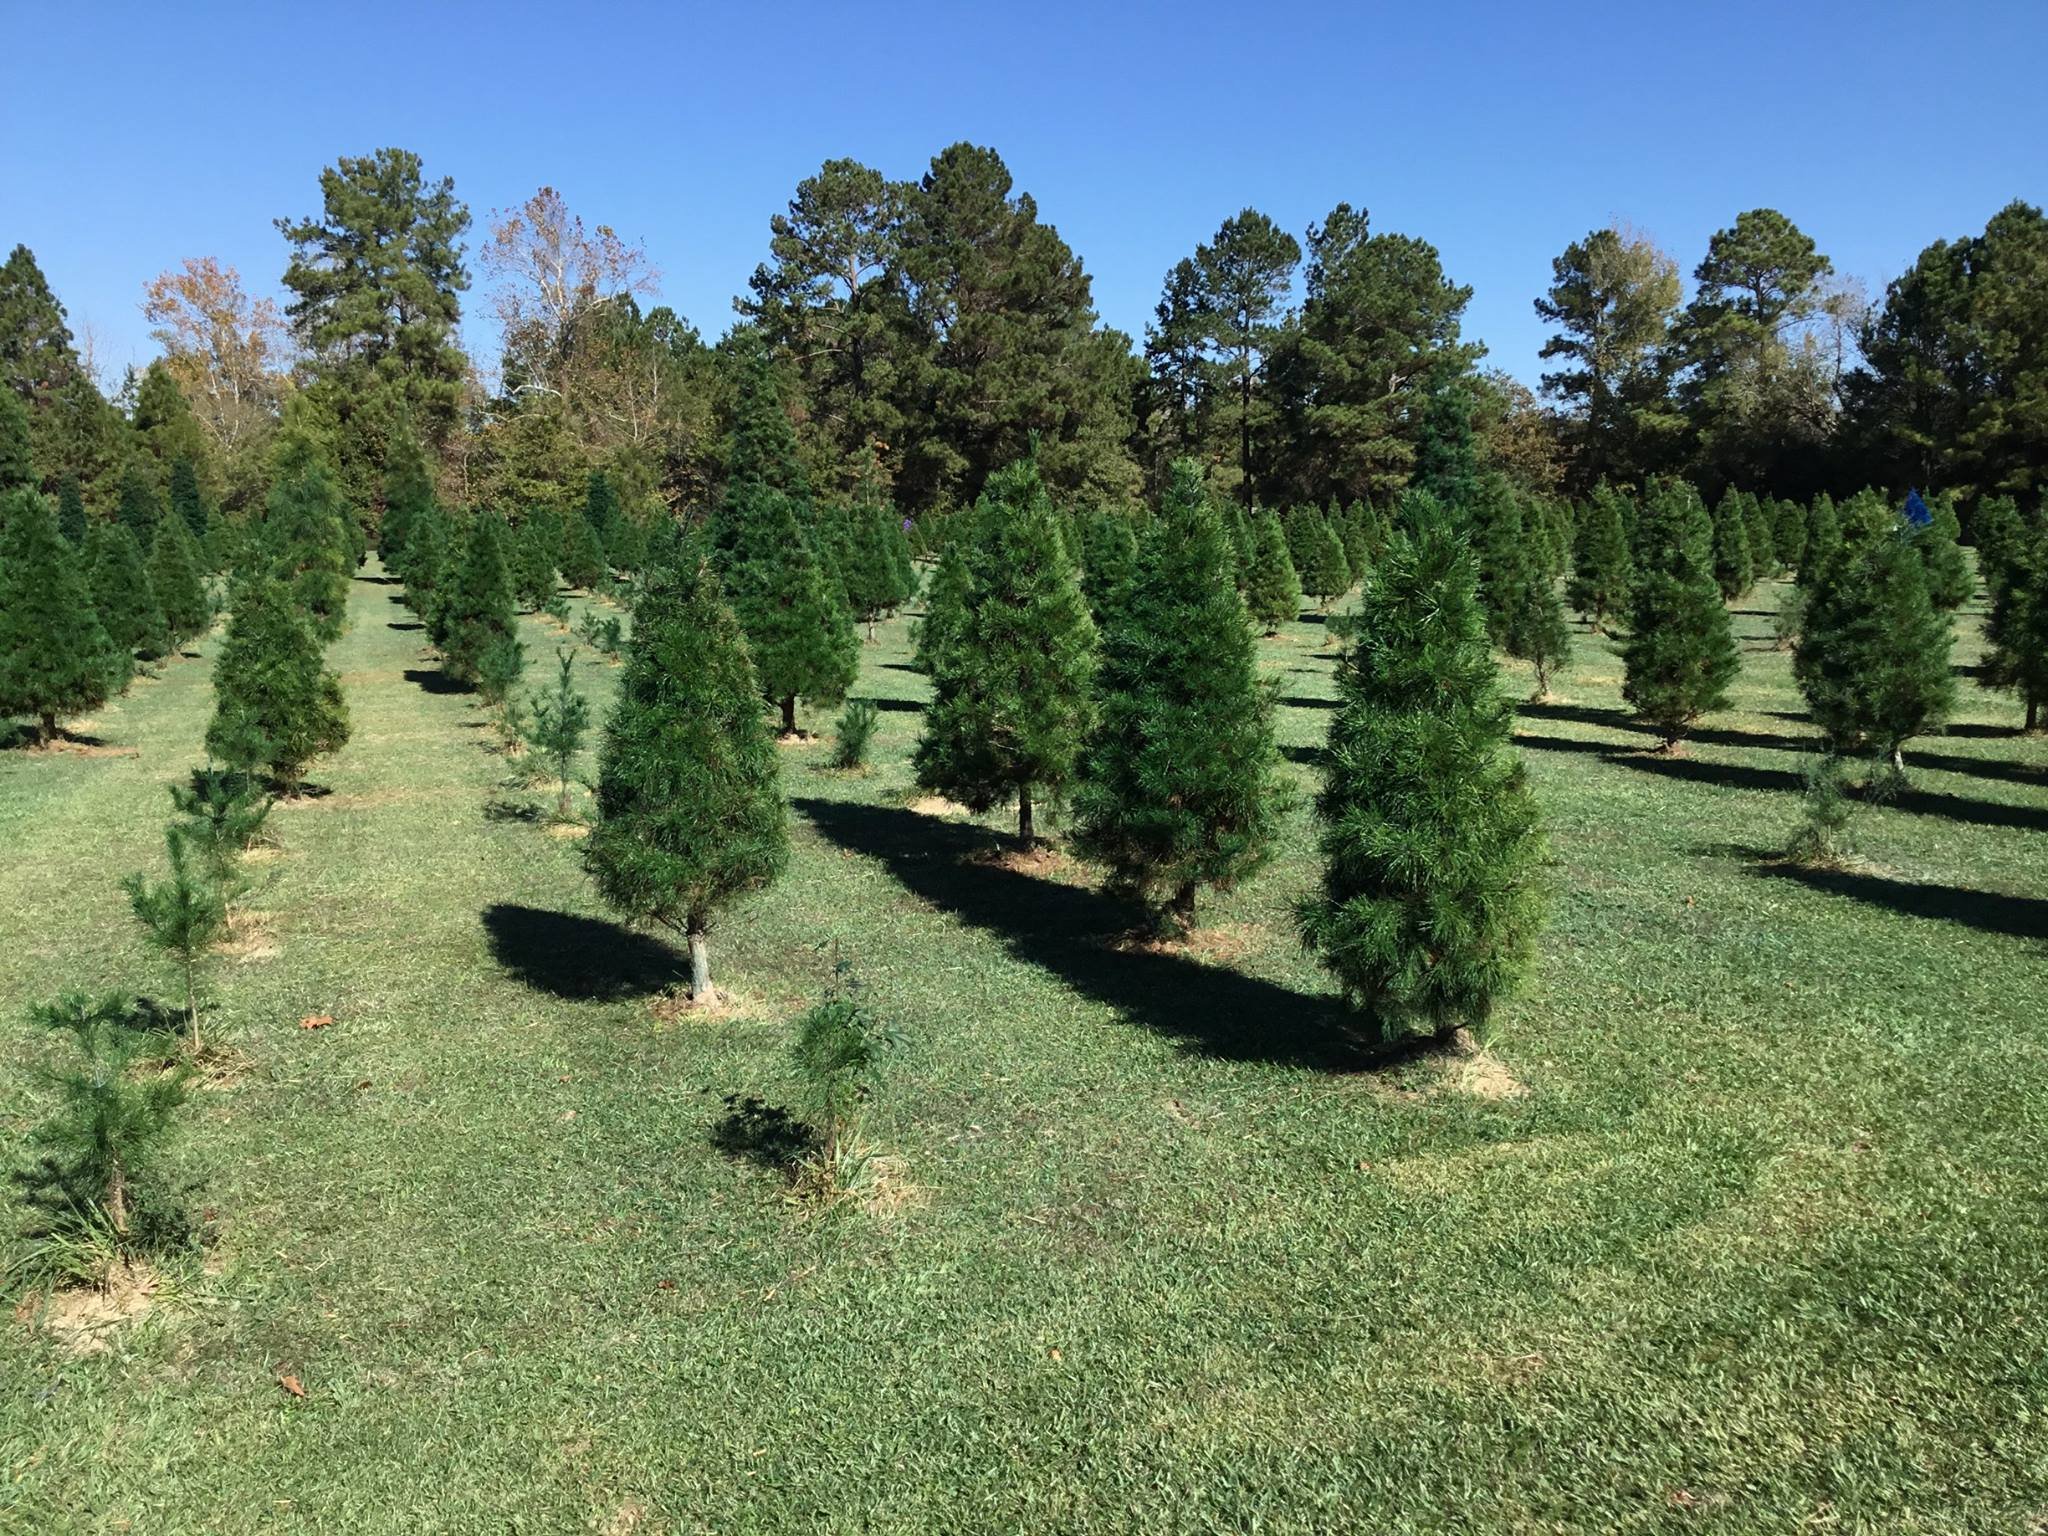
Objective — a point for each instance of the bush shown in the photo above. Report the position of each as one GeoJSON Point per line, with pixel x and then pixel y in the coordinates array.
{"type": "Point", "coordinates": [854, 732]}
{"type": "Point", "coordinates": [839, 1053]}
{"type": "Point", "coordinates": [1823, 834]}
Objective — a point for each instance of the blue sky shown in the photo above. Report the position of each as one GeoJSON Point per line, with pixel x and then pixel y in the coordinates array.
{"type": "Point", "coordinates": [133, 137]}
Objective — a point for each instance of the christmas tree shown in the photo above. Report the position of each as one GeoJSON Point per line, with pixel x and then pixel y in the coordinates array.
{"type": "Point", "coordinates": [690, 811]}
{"type": "Point", "coordinates": [1272, 590]}
{"type": "Point", "coordinates": [476, 611]}
{"type": "Point", "coordinates": [1734, 569]}
{"type": "Point", "coordinates": [121, 592]}
{"type": "Point", "coordinates": [55, 659]}
{"type": "Point", "coordinates": [178, 582]}
{"type": "Point", "coordinates": [798, 627]}
{"type": "Point", "coordinates": [276, 705]}
{"type": "Point", "coordinates": [1602, 566]}
{"type": "Point", "coordinates": [1680, 656]}
{"type": "Point", "coordinates": [1178, 786]}
{"type": "Point", "coordinates": [1429, 907]}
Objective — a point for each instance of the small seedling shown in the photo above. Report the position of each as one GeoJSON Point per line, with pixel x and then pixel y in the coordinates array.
{"type": "Point", "coordinates": [183, 917]}
{"type": "Point", "coordinates": [561, 721]}
{"type": "Point", "coordinates": [854, 732]}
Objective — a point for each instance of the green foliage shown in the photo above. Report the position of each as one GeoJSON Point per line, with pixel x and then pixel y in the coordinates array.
{"type": "Point", "coordinates": [560, 723]}
{"type": "Point", "coordinates": [1179, 785]}
{"type": "Point", "coordinates": [1532, 623]}
{"type": "Point", "coordinates": [55, 659]}
{"type": "Point", "coordinates": [1761, 530]}
{"type": "Point", "coordinates": [797, 625]}
{"type": "Point", "coordinates": [475, 615]}
{"type": "Point", "coordinates": [1011, 685]}
{"type": "Point", "coordinates": [854, 733]}
{"type": "Point", "coordinates": [430, 553]}
{"type": "Point", "coordinates": [1822, 837]}
{"type": "Point", "coordinates": [182, 917]}
{"type": "Point", "coordinates": [188, 502]}
{"type": "Point", "coordinates": [1823, 531]}
{"type": "Point", "coordinates": [2016, 630]}
{"type": "Point", "coordinates": [1873, 654]}
{"type": "Point", "coordinates": [839, 1054]}
{"type": "Point", "coordinates": [1429, 907]}
{"type": "Point", "coordinates": [606, 636]}
{"type": "Point", "coordinates": [534, 545]}
{"type": "Point", "coordinates": [276, 705]}
{"type": "Point", "coordinates": [1734, 567]}
{"type": "Point", "coordinates": [111, 1120]}
{"type": "Point", "coordinates": [625, 543]}
{"type": "Point", "coordinates": [121, 593]}
{"type": "Point", "coordinates": [1326, 574]}
{"type": "Point", "coordinates": [71, 512]}
{"type": "Point", "coordinates": [408, 496]}
{"type": "Point", "coordinates": [498, 670]}
{"type": "Point", "coordinates": [1949, 582]}
{"type": "Point", "coordinates": [17, 461]}
{"type": "Point", "coordinates": [874, 563]}
{"type": "Point", "coordinates": [582, 559]}
{"type": "Point", "coordinates": [1109, 554]}
{"type": "Point", "coordinates": [1680, 655]}
{"type": "Point", "coordinates": [175, 577]}
{"type": "Point", "coordinates": [1788, 534]}
{"type": "Point", "coordinates": [690, 813]}
{"type": "Point", "coordinates": [1603, 567]}
{"type": "Point", "coordinates": [140, 508]}
{"type": "Point", "coordinates": [1501, 545]}
{"type": "Point", "coordinates": [307, 531]}
{"type": "Point", "coordinates": [221, 814]}
{"type": "Point", "coordinates": [1272, 590]}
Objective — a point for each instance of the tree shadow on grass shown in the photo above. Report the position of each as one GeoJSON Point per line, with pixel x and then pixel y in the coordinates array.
{"type": "Point", "coordinates": [1303, 701]}
{"type": "Point", "coordinates": [434, 680]}
{"type": "Point", "coordinates": [583, 959]}
{"type": "Point", "coordinates": [20, 735]}
{"type": "Point", "coordinates": [1307, 756]}
{"type": "Point", "coordinates": [382, 581]}
{"type": "Point", "coordinates": [1070, 932]}
{"type": "Point", "coordinates": [1621, 720]}
{"type": "Point", "coordinates": [2019, 917]}
{"type": "Point", "coordinates": [899, 706]}
{"type": "Point", "coordinates": [754, 1131]}
{"type": "Point", "coordinates": [405, 624]}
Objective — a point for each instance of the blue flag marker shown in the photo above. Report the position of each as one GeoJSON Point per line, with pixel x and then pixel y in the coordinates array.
{"type": "Point", "coordinates": [1916, 511]}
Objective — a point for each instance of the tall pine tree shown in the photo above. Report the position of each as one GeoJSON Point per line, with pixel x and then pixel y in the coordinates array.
{"type": "Point", "coordinates": [1680, 656]}
{"type": "Point", "coordinates": [476, 612]}
{"type": "Point", "coordinates": [176, 577]}
{"type": "Point", "coordinates": [276, 706]}
{"type": "Point", "coordinates": [1602, 566]}
{"type": "Point", "coordinates": [1272, 589]}
{"type": "Point", "coordinates": [127, 604]}
{"type": "Point", "coordinates": [54, 656]}
{"type": "Point", "coordinates": [1179, 785]}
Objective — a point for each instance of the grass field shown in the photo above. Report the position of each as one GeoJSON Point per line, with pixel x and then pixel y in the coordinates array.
{"type": "Point", "coordinates": [1740, 1226]}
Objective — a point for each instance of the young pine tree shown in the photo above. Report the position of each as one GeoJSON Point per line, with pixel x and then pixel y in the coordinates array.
{"type": "Point", "coordinates": [307, 529]}
{"type": "Point", "coordinates": [2013, 554]}
{"type": "Point", "coordinates": [582, 560]}
{"type": "Point", "coordinates": [1788, 534]}
{"type": "Point", "coordinates": [187, 503]}
{"type": "Point", "coordinates": [798, 628]}
{"type": "Point", "coordinates": [1012, 699]}
{"type": "Point", "coordinates": [1532, 619]}
{"type": "Point", "coordinates": [1501, 547]}
{"type": "Point", "coordinates": [55, 659]}
{"type": "Point", "coordinates": [408, 494]}
{"type": "Point", "coordinates": [476, 612]}
{"type": "Point", "coordinates": [532, 557]}
{"type": "Point", "coordinates": [71, 512]}
{"type": "Point", "coordinates": [181, 917]}
{"type": "Point", "coordinates": [139, 508]}
{"type": "Point", "coordinates": [429, 552]}
{"type": "Point", "coordinates": [176, 577]}
{"type": "Point", "coordinates": [1329, 574]}
{"type": "Point", "coordinates": [17, 463]}
{"type": "Point", "coordinates": [561, 722]}
{"type": "Point", "coordinates": [601, 507]}
{"type": "Point", "coordinates": [1823, 531]}
{"type": "Point", "coordinates": [1761, 532]}
{"type": "Point", "coordinates": [276, 705]}
{"type": "Point", "coordinates": [1949, 582]}
{"type": "Point", "coordinates": [1873, 655]}
{"type": "Point", "coordinates": [127, 604]}
{"type": "Point", "coordinates": [1179, 786]}
{"type": "Point", "coordinates": [1109, 555]}
{"type": "Point", "coordinates": [871, 567]}
{"type": "Point", "coordinates": [1429, 907]}
{"type": "Point", "coordinates": [1680, 655]}
{"type": "Point", "coordinates": [1272, 590]}
{"type": "Point", "coordinates": [1602, 566]}
{"type": "Point", "coordinates": [690, 812]}
{"type": "Point", "coordinates": [1734, 569]}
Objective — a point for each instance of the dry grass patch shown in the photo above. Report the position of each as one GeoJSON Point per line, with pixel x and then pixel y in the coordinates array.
{"type": "Point", "coordinates": [82, 1319]}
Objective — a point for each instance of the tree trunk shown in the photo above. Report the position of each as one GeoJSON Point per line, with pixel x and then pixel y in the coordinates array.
{"type": "Point", "coordinates": [1180, 912]}
{"type": "Point", "coordinates": [701, 990]}
{"type": "Point", "coordinates": [1244, 434]}
{"type": "Point", "coordinates": [191, 1005]}
{"type": "Point", "coordinates": [789, 716]}
{"type": "Point", "coordinates": [1026, 832]}
{"type": "Point", "coordinates": [2033, 716]}
{"type": "Point", "coordinates": [117, 1199]}
{"type": "Point", "coordinates": [49, 732]}
{"type": "Point", "coordinates": [1899, 760]}
{"type": "Point", "coordinates": [562, 805]}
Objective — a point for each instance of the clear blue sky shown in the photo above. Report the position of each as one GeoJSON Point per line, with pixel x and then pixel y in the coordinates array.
{"type": "Point", "coordinates": [131, 138]}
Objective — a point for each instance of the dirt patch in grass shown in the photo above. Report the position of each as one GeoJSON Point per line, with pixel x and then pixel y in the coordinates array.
{"type": "Point", "coordinates": [568, 829]}
{"type": "Point", "coordinates": [82, 1319]}
{"type": "Point", "coordinates": [677, 1006]}
{"type": "Point", "coordinates": [249, 940]}
{"type": "Point", "coordinates": [354, 802]}
{"type": "Point", "coordinates": [1042, 861]}
{"type": "Point", "coordinates": [1483, 1075]}
{"type": "Point", "coordinates": [1223, 945]}
{"type": "Point", "coordinates": [89, 749]}
{"type": "Point", "coordinates": [937, 805]}
{"type": "Point", "coordinates": [887, 1191]}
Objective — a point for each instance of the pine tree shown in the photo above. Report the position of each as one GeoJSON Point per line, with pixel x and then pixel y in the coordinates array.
{"type": "Point", "coordinates": [1949, 582]}
{"type": "Point", "coordinates": [306, 532]}
{"type": "Point", "coordinates": [2016, 631]}
{"type": "Point", "coordinates": [582, 558]}
{"type": "Point", "coordinates": [1532, 624]}
{"type": "Point", "coordinates": [1680, 656]}
{"type": "Point", "coordinates": [1354, 528]}
{"type": "Point", "coordinates": [601, 507]}
{"type": "Point", "coordinates": [1873, 654]}
{"type": "Point", "coordinates": [182, 916]}
{"type": "Point", "coordinates": [1499, 536]}
{"type": "Point", "coordinates": [1272, 590]}
{"type": "Point", "coordinates": [798, 628]}
{"type": "Point", "coordinates": [1179, 785]}
{"type": "Point", "coordinates": [1734, 569]}
{"type": "Point", "coordinates": [532, 557]}
{"type": "Point", "coordinates": [476, 613]}
{"type": "Point", "coordinates": [1327, 574]}
{"type": "Point", "coordinates": [1429, 907]}
{"type": "Point", "coordinates": [127, 604]}
{"type": "Point", "coordinates": [55, 659]}
{"type": "Point", "coordinates": [1109, 556]}
{"type": "Point", "coordinates": [428, 553]}
{"type": "Point", "coordinates": [561, 721]}
{"type": "Point", "coordinates": [1823, 530]}
{"type": "Point", "coordinates": [944, 623]}
{"type": "Point", "coordinates": [408, 496]}
{"type": "Point", "coordinates": [1012, 699]}
{"type": "Point", "coordinates": [276, 705]}
{"type": "Point", "coordinates": [690, 811]}
{"type": "Point", "coordinates": [873, 566]}
{"type": "Point", "coordinates": [625, 545]}
{"type": "Point", "coordinates": [188, 503]}
{"type": "Point", "coordinates": [1602, 566]}
{"type": "Point", "coordinates": [140, 509]}
{"type": "Point", "coordinates": [1788, 534]}
{"type": "Point", "coordinates": [175, 577]}
{"type": "Point", "coordinates": [17, 463]}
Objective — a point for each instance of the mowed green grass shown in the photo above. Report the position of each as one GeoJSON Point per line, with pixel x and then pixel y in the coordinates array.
{"type": "Point", "coordinates": [1758, 1246]}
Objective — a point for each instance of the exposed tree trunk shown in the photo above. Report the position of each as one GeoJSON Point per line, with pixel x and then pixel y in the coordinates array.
{"type": "Point", "coordinates": [1899, 760]}
{"type": "Point", "coordinates": [1180, 912]}
{"type": "Point", "coordinates": [117, 1199]}
{"type": "Point", "coordinates": [49, 732]}
{"type": "Point", "coordinates": [789, 716]}
{"type": "Point", "coordinates": [2033, 716]}
{"type": "Point", "coordinates": [1026, 832]}
{"type": "Point", "coordinates": [191, 1004]}
{"type": "Point", "coordinates": [701, 990]}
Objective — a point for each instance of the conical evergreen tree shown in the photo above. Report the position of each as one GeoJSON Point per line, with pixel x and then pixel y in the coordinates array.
{"type": "Point", "coordinates": [1327, 574]}
{"type": "Point", "coordinates": [1429, 907]}
{"type": "Point", "coordinates": [1788, 534]}
{"type": "Point", "coordinates": [1949, 582]}
{"type": "Point", "coordinates": [1493, 522]}
{"type": "Point", "coordinates": [601, 507]}
{"type": "Point", "coordinates": [1823, 530]}
{"type": "Point", "coordinates": [71, 512]}
{"type": "Point", "coordinates": [1734, 572]}
{"type": "Point", "coordinates": [1012, 699]}
{"type": "Point", "coordinates": [1873, 655]}
{"type": "Point", "coordinates": [128, 609]}
{"type": "Point", "coordinates": [17, 463]}
{"type": "Point", "coordinates": [428, 552]}
{"type": "Point", "coordinates": [55, 659]}
{"type": "Point", "coordinates": [306, 528]}
{"type": "Point", "coordinates": [1762, 535]}
{"type": "Point", "coordinates": [176, 579]}
{"type": "Point", "coordinates": [187, 503]}
{"type": "Point", "coordinates": [140, 509]}
{"type": "Point", "coordinates": [408, 493]}
{"type": "Point", "coordinates": [940, 631]}
{"type": "Point", "coordinates": [1179, 785]}
{"type": "Point", "coordinates": [1680, 656]}
{"type": "Point", "coordinates": [625, 546]}
{"type": "Point", "coordinates": [532, 557]}
{"type": "Point", "coordinates": [476, 612]}
{"type": "Point", "coordinates": [1109, 556]}
{"type": "Point", "coordinates": [276, 706]}
{"type": "Point", "coordinates": [1354, 529]}
{"type": "Point", "coordinates": [1272, 590]}
{"type": "Point", "coordinates": [1602, 565]}
{"type": "Point", "coordinates": [582, 560]}
{"type": "Point", "coordinates": [2015, 561]}
{"type": "Point", "coordinates": [876, 565]}
{"type": "Point", "coordinates": [1532, 625]}
{"type": "Point", "coordinates": [690, 811]}
{"type": "Point", "coordinates": [798, 628]}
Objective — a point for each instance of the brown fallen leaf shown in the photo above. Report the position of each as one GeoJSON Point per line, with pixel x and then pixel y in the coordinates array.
{"type": "Point", "coordinates": [293, 1385]}
{"type": "Point", "coordinates": [316, 1021]}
